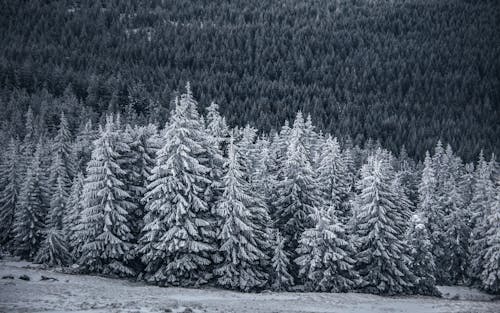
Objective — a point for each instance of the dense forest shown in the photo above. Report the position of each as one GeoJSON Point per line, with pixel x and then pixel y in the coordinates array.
{"type": "Point", "coordinates": [194, 202]}
{"type": "Point", "coordinates": [404, 72]}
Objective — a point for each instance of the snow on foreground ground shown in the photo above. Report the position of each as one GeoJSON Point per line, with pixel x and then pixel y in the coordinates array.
{"type": "Point", "coordinates": [75, 293]}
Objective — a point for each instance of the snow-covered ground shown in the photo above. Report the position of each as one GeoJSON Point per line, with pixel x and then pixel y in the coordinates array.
{"type": "Point", "coordinates": [74, 293]}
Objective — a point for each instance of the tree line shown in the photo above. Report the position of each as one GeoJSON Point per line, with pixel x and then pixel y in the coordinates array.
{"type": "Point", "coordinates": [196, 202]}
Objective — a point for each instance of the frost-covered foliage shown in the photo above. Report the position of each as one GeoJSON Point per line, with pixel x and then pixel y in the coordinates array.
{"type": "Point", "coordinates": [106, 207]}
{"type": "Point", "coordinates": [244, 240]}
{"type": "Point", "coordinates": [422, 264]}
{"type": "Point", "coordinates": [30, 211]}
{"type": "Point", "coordinates": [280, 278]}
{"type": "Point", "coordinates": [325, 261]}
{"type": "Point", "coordinates": [9, 190]}
{"type": "Point", "coordinates": [380, 225]}
{"type": "Point", "coordinates": [72, 219]}
{"type": "Point", "coordinates": [178, 236]}
{"type": "Point", "coordinates": [54, 249]}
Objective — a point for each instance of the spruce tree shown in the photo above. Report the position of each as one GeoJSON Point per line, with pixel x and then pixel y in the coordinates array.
{"type": "Point", "coordinates": [106, 207]}
{"type": "Point", "coordinates": [178, 235]}
{"type": "Point", "coordinates": [63, 163]}
{"type": "Point", "coordinates": [422, 264]}
{"type": "Point", "coordinates": [325, 261]}
{"type": "Point", "coordinates": [280, 278]}
{"type": "Point", "coordinates": [30, 212]}
{"type": "Point", "coordinates": [380, 226]}
{"type": "Point", "coordinates": [9, 190]}
{"type": "Point", "coordinates": [72, 226]}
{"type": "Point", "coordinates": [243, 237]}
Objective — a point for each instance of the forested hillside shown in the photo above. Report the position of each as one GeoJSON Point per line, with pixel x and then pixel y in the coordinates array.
{"type": "Point", "coordinates": [405, 72]}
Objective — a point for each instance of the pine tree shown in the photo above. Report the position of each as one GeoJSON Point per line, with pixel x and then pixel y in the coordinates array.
{"type": "Point", "coordinates": [422, 265]}
{"type": "Point", "coordinates": [82, 147]}
{"type": "Point", "coordinates": [333, 178]}
{"type": "Point", "coordinates": [325, 259]}
{"type": "Point", "coordinates": [244, 242]}
{"type": "Point", "coordinates": [380, 226]}
{"type": "Point", "coordinates": [178, 235]}
{"type": "Point", "coordinates": [483, 195]}
{"type": "Point", "coordinates": [30, 212]}
{"type": "Point", "coordinates": [297, 192]}
{"type": "Point", "coordinates": [63, 164]}
{"type": "Point", "coordinates": [54, 249]}
{"type": "Point", "coordinates": [9, 192]}
{"type": "Point", "coordinates": [490, 269]}
{"type": "Point", "coordinates": [72, 220]}
{"type": "Point", "coordinates": [106, 205]}
{"type": "Point", "coordinates": [280, 278]}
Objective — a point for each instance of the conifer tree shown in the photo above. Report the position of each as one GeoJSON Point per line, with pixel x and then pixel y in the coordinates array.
{"type": "Point", "coordinates": [9, 190]}
{"type": "Point", "coordinates": [178, 235]}
{"type": "Point", "coordinates": [422, 264]}
{"type": "Point", "coordinates": [72, 219]}
{"type": "Point", "coordinates": [380, 226]}
{"type": "Point", "coordinates": [83, 145]}
{"type": "Point", "coordinates": [280, 278]}
{"type": "Point", "coordinates": [62, 167]}
{"type": "Point", "coordinates": [325, 259]}
{"type": "Point", "coordinates": [30, 212]}
{"type": "Point", "coordinates": [490, 269]}
{"type": "Point", "coordinates": [106, 205]}
{"type": "Point", "coordinates": [297, 192]}
{"type": "Point", "coordinates": [244, 243]}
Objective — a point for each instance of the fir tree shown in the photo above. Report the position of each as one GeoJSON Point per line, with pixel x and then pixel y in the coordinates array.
{"type": "Point", "coordinates": [72, 219]}
{"type": "Point", "coordinates": [280, 278]}
{"type": "Point", "coordinates": [178, 235]}
{"type": "Point", "coordinates": [9, 192]}
{"type": "Point", "coordinates": [422, 265]}
{"type": "Point", "coordinates": [244, 242]}
{"type": "Point", "coordinates": [54, 249]}
{"type": "Point", "coordinates": [380, 226]}
{"type": "Point", "coordinates": [63, 165]}
{"type": "Point", "coordinates": [106, 205]}
{"type": "Point", "coordinates": [30, 212]}
{"type": "Point", "coordinates": [325, 259]}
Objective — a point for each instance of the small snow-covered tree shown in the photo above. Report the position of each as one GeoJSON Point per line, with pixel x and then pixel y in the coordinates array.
{"type": "Point", "coordinates": [9, 190]}
{"type": "Point", "coordinates": [30, 212]}
{"type": "Point", "coordinates": [178, 235]}
{"type": "Point", "coordinates": [243, 237]}
{"type": "Point", "coordinates": [72, 226]}
{"type": "Point", "coordinates": [83, 145]}
{"type": "Point", "coordinates": [325, 261]}
{"type": "Point", "coordinates": [380, 226]}
{"type": "Point", "coordinates": [63, 164]}
{"type": "Point", "coordinates": [54, 249]}
{"type": "Point", "coordinates": [422, 264]}
{"type": "Point", "coordinates": [490, 273]}
{"type": "Point", "coordinates": [106, 204]}
{"type": "Point", "coordinates": [280, 278]}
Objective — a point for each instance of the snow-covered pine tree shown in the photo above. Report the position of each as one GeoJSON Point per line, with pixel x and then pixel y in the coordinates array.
{"type": "Point", "coordinates": [106, 205]}
{"type": "Point", "coordinates": [63, 162]}
{"type": "Point", "coordinates": [490, 273]}
{"type": "Point", "coordinates": [380, 226]}
{"type": "Point", "coordinates": [297, 192]}
{"type": "Point", "coordinates": [72, 219]}
{"type": "Point", "coordinates": [333, 178]}
{"type": "Point", "coordinates": [30, 212]}
{"type": "Point", "coordinates": [422, 264]}
{"type": "Point", "coordinates": [217, 126]}
{"type": "Point", "coordinates": [280, 278]}
{"type": "Point", "coordinates": [178, 235]}
{"type": "Point", "coordinates": [325, 261]}
{"type": "Point", "coordinates": [483, 196]}
{"type": "Point", "coordinates": [9, 192]}
{"type": "Point", "coordinates": [244, 238]}
{"type": "Point", "coordinates": [83, 145]}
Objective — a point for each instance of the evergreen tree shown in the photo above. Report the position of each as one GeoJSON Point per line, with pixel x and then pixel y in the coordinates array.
{"type": "Point", "coordinates": [325, 259]}
{"type": "Point", "coordinates": [490, 271]}
{"type": "Point", "coordinates": [297, 192]}
{"type": "Point", "coordinates": [280, 278]}
{"type": "Point", "coordinates": [72, 226]}
{"type": "Point", "coordinates": [380, 226]}
{"type": "Point", "coordinates": [83, 145]}
{"type": "Point", "coordinates": [30, 212]}
{"type": "Point", "coordinates": [422, 265]}
{"type": "Point", "coordinates": [106, 205]}
{"type": "Point", "coordinates": [9, 192]}
{"type": "Point", "coordinates": [62, 166]}
{"type": "Point", "coordinates": [54, 249]}
{"type": "Point", "coordinates": [178, 235]}
{"type": "Point", "coordinates": [244, 240]}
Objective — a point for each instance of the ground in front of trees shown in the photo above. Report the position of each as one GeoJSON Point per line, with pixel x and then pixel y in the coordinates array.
{"type": "Point", "coordinates": [79, 293]}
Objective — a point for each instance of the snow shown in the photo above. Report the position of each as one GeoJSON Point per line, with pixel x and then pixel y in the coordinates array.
{"type": "Point", "coordinates": [78, 293]}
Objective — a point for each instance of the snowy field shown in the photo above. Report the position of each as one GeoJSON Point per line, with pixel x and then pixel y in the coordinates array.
{"type": "Point", "coordinates": [72, 293]}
